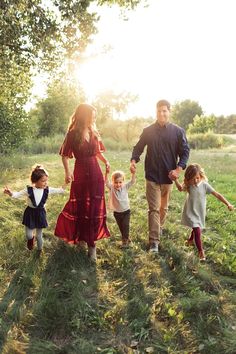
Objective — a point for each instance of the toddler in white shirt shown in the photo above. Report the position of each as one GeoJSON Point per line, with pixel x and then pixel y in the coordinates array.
{"type": "Point", "coordinates": [119, 202]}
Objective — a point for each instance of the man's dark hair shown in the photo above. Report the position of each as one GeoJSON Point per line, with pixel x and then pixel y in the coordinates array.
{"type": "Point", "coordinates": [163, 103]}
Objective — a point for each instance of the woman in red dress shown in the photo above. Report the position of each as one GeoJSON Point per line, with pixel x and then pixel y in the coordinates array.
{"type": "Point", "coordinates": [84, 215]}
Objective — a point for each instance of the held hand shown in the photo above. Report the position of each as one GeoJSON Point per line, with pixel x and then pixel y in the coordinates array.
{"type": "Point", "coordinates": [179, 185]}
{"type": "Point", "coordinates": [69, 177]}
{"type": "Point", "coordinates": [174, 174]}
{"type": "Point", "coordinates": [107, 167]}
{"type": "Point", "coordinates": [230, 207]}
{"type": "Point", "coordinates": [133, 167]}
{"type": "Point", "coordinates": [64, 185]}
{"type": "Point", "coordinates": [180, 188]}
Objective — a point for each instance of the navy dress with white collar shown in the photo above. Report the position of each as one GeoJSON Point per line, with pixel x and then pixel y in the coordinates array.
{"type": "Point", "coordinates": [35, 218]}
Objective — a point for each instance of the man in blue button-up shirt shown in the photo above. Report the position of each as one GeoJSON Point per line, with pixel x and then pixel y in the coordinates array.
{"type": "Point", "coordinates": [166, 156]}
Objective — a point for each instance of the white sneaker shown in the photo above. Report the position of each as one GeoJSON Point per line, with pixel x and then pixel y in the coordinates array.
{"type": "Point", "coordinates": [92, 253]}
{"type": "Point", "coordinates": [153, 247]}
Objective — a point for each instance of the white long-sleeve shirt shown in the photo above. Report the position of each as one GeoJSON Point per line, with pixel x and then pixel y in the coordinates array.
{"type": "Point", "coordinates": [38, 194]}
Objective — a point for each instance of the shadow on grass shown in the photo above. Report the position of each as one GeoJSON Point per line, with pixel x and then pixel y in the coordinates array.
{"type": "Point", "coordinates": [66, 306]}
{"type": "Point", "coordinates": [128, 303]}
{"type": "Point", "coordinates": [17, 298]}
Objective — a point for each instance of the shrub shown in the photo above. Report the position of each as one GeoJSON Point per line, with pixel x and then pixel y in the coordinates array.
{"type": "Point", "coordinates": [205, 141]}
{"type": "Point", "coordinates": [49, 144]}
{"type": "Point", "coordinates": [113, 145]}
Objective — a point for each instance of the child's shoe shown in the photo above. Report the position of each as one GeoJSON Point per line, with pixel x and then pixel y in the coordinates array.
{"type": "Point", "coordinates": [92, 253]}
{"type": "Point", "coordinates": [189, 242]}
{"type": "Point", "coordinates": [126, 243]}
{"type": "Point", "coordinates": [30, 243]}
{"type": "Point", "coordinates": [201, 256]}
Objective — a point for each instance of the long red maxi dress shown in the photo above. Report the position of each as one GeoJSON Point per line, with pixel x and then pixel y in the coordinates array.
{"type": "Point", "coordinates": [84, 215]}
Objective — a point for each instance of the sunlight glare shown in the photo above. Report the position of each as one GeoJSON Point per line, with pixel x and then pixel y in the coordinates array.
{"type": "Point", "coordinates": [97, 75]}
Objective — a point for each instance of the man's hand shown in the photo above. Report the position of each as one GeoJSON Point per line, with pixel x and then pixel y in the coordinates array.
{"type": "Point", "coordinates": [174, 174]}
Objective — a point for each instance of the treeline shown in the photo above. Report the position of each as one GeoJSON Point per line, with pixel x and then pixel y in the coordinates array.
{"type": "Point", "coordinates": [52, 39]}
{"type": "Point", "coordinates": [45, 125]}
{"type": "Point", "coordinates": [47, 36]}
{"type": "Point", "coordinates": [51, 115]}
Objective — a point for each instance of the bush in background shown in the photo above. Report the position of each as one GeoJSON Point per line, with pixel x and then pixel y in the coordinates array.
{"type": "Point", "coordinates": [205, 141]}
{"type": "Point", "coordinates": [45, 144]}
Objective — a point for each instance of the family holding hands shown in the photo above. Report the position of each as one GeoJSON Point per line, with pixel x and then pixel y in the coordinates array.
{"type": "Point", "coordinates": [83, 218]}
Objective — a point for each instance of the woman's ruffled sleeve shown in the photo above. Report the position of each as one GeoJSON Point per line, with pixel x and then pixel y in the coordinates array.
{"type": "Point", "coordinates": [67, 146]}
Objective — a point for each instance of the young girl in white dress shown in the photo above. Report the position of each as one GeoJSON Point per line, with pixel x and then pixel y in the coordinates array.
{"type": "Point", "coordinates": [194, 211]}
{"type": "Point", "coordinates": [34, 217]}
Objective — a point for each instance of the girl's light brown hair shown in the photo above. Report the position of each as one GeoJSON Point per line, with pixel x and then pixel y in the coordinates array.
{"type": "Point", "coordinates": [82, 119]}
{"type": "Point", "coordinates": [38, 171]}
{"type": "Point", "coordinates": [191, 172]}
{"type": "Point", "coordinates": [117, 174]}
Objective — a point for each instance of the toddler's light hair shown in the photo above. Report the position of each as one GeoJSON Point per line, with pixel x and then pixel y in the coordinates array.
{"type": "Point", "coordinates": [117, 174]}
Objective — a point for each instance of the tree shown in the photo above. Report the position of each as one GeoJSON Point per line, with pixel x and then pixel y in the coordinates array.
{"type": "Point", "coordinates": [184, 112]}
{"type": "Point", "coordinates": [12, 131]}
{"type": "Point", "coordinates": [202, 125]}
{"type": "Point", "coordinates": [108, 103]}
{"type": "Point", "coordinates": [226, 125]}
{"type": "Point", "coordinates": [40, 34]}
{"type": "Point", "coordinates": [52, 113]}
{"type": "Point", "coordinates": [34, 32]}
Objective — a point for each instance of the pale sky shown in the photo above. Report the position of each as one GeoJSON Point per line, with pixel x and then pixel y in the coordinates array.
{"type": "Point", "coordinates": [173, 49]}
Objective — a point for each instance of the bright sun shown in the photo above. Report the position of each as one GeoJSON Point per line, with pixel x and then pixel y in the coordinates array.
{"type": "Point", "coordinates": [98, 74]}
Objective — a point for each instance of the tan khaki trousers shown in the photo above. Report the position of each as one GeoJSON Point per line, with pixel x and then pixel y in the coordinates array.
{"type": "Point", "coordinates": [158, 196]}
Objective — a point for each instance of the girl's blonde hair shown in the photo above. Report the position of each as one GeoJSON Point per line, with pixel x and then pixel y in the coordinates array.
{"type": "Point", "coordinates": [82, 119]}
{"type": "Point", "coordinates": [38, 171]}
{"type": "Point", "coordinates": [117, 174]}
{"type": "Point", "coordinates": [191, 172]}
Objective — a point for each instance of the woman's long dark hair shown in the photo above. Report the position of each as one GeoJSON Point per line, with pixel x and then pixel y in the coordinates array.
{"type": "Point", "coordinates": [82, 119]}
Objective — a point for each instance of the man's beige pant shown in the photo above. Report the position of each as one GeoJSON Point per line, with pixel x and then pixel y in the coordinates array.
{"type": "Point", "coordinates": [158, 196]}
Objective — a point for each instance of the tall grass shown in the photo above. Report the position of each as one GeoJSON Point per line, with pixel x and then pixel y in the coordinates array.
{"type": "Point", "coordinates": [130, 301]}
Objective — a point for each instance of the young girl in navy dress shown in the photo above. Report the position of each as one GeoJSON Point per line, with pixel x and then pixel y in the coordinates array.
{"type": "Point", "coordinates": [34, 217]}
{"type": "Point", "coordinates": [194, 211]}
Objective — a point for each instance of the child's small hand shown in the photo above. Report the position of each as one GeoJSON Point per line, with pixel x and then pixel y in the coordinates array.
{"type": "Point", "coordinates": [65, 185]}
{"type": "Point", "coordinates": [7, 191]}
{"type": "Point", "coordinates": [230, 207]}
{"type": "Point", "coordinates": [180, 188]}
{"type": "Point", "coordinates": [179, 185]}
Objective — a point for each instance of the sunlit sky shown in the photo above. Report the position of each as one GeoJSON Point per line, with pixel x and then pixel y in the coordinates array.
{"type": "Point", "coordinates": [173, 49]}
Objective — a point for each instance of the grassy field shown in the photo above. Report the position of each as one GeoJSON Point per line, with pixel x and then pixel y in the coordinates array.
{"type": "Point", "coordinates": [130, 301]}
